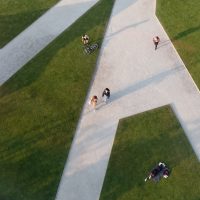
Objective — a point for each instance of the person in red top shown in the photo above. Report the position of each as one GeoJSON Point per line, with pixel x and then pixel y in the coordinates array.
{"type": "Point", "coordinates": [156, 41]}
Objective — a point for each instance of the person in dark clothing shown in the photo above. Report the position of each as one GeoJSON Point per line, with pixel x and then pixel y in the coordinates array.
{"type": "Point", "coordinates": [106, 95]}
{"type": "Point", "coordinates": [159, 169]}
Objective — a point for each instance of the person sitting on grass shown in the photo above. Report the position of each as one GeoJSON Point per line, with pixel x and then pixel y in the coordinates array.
{"type": "Point", "coordinates": [85, 39]}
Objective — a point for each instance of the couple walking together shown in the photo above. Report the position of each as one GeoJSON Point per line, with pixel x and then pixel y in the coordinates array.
{"type": "Point", "coordinates": [105, 96]}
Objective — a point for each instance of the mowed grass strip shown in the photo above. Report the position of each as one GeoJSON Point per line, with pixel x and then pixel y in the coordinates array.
{"type": "Point", "coordinates": [40, 107]}
{"type": "Point", "coordinates": [181, 20]}
{"type": "Point", "coordinates": [141, 142]}
{"type": "Point", "coordinates": [16, 15]}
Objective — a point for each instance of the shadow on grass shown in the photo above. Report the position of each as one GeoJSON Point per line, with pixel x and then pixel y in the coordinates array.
{"type": "Point", "coordinates": [31, 162]}
{"type": "Point", "coordinates": [186, 33]}
{"type": "Point", "coordinates": [133, 156]}
{"type": "Point", "coordinates": [36, 67]}
{"type": "Point", "coordinates": [37, 133]}
{"type": "Point", "coordinates": [12, 25]}
{"type": "Point", "coordinates": [137, 169]}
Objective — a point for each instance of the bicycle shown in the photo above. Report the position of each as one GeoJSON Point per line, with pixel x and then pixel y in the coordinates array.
{"type": "Point", "coordinates": [88, 49]}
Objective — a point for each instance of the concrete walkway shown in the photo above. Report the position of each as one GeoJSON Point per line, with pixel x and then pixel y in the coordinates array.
{"type": "Point", "coordinates": [140, 79]}
{"type": "Point", "coordinates": [37, 36]}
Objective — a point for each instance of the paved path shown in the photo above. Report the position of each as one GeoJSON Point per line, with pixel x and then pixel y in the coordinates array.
{"type": "Point", "coordinates": [140, 79]}
{"type": "Point", "coordinates": [37, 36]}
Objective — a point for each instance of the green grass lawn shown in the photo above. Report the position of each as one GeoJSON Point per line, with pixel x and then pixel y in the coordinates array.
{"type": "Point", "coordinates": [16, 15]}
{"type": "Point", "coordinates": [181, 20]}
{"type": "Point", "coordinates": [141, 142]}
{"type": "Point", "coordinates": [40, 107]}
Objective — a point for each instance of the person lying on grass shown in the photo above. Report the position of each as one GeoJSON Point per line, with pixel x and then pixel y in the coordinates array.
{"type": "Point", "coordinates": [157, 172]}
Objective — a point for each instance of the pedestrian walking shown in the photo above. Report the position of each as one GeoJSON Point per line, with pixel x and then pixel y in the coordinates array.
{"type": "Point", "coordinates": [156, 41]}
{"type": "Point", "coordinates": [106, 95]}
{"type": "Point", "coordinates": [93, 101]}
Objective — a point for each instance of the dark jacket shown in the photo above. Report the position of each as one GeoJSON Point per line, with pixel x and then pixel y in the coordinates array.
{"type": "Point", "coordinates": [106, 92]}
